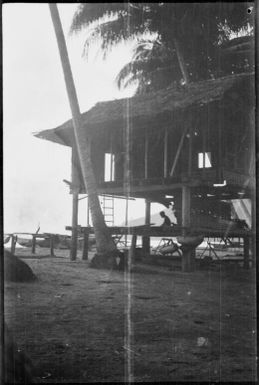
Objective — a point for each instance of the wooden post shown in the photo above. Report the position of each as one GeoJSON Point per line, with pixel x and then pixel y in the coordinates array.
{"type": "Point", "coordinates": [33, 244]}
{"type": "Point", "coordinates": [254, 134]}
{"type": "Point", "coordinates": [203, 149]}
{"type": "Point", "coordinates": [253, 229]}
{"type": "Point", "coordinates": [112, 159]}
{"type": "Point", "coordinates": [128, 149]}
{"type": "Point", "coordinates": [236, 145]}
{"type": "Point", "coordinates": [126, 220]}
{"type": "Point", "coordinates": [75, 191]}
{"type": "Point", "coordinates": [147, 211]}
{"type": "Point", "coordinates": [220, 145]}
{"type": "Point", "coordinates": [88, 214]}
{"type": "Point", "coordinates": [188, 261]}
{"type": "Point", "coordinates": [166, 153]}
{"type": "Point", "coordinates": [73, 250]}
{"type": "Point", "coordinates": [181, 60]}
{"type": "Point", "coordinates": [85, 247]}
{"type": "Point", "coordinates": [52, 245]}
{"type": "Point", "coordinates": [190, 155]}
{"type": "Point", "coordinates": [13, 243]}
{"type": "Point", "coordinates": [146, 155]}
{"type": "Point", "coordinates": [132, 249]}
{"type": "Point", "coordinates": [186, 206]}
{"type": "Point", "coordinates": [146, 239]}
{"type": "Point", "coordinates": [246, 252]}
{"type": "Point", "coordinates": [188, 255]}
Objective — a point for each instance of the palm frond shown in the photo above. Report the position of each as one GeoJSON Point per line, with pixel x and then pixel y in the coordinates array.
{"type": "Point", "coordinates": [110, 34]}
{"type": "Point", "coordinates": [88, 13]}
{"type": "Point", "coordinates": [197, 27]}
{"type": "Point", "coordinates": [151, 71]}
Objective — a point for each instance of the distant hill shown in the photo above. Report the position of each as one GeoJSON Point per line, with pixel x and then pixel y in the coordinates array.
{"type": "Point", "coordinates": [155, 219]}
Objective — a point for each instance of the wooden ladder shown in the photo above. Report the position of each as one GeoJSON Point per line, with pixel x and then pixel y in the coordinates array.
{"type": "Point", "coordinates": [108, 209]}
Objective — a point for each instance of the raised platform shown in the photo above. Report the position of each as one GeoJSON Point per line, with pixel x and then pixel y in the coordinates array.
{"type": "Point", "coordinates": [173, 231]}
{"type": "Point", "coordinates": [188, 257]}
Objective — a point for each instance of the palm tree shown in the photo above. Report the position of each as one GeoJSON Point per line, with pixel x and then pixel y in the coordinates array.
{"type": "Point", "coordinates": [184, 37]}
{"type": "Point", "coordinates": [151, 66]}
{"type": "Point", "coordinates": [105, 246]}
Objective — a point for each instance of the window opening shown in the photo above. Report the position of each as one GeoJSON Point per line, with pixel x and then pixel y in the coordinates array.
{"type": "Point", "coordinates": [204, 160]}
{"type": "Point", "coordinates": [109, 165]}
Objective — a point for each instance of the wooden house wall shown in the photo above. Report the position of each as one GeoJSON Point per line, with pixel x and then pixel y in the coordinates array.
{"type": "Point", "coordinates": [97, 154]}
{"type": "Point", "coordinates": [218, 127]}
{"type": "Point", "coordinates": [138, 155]}
{"type": "Point", "coordinates": [238, 140]}
{"type": "Point", "coordinates": [174, 136]}
{"type": "Point", "coordinates": [155, 153]}
{"type": "Point", "coordinates": [117, 140]}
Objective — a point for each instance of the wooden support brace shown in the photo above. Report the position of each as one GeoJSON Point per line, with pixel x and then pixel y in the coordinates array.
{"type": "Point", "coordinates": [245, 209]}
{"type": "Point", "coordinates": [85, 246]}
{"type": "Point", "coordinates": [180, 145]}
{"type": "Point", "coordinates": [181, 61]}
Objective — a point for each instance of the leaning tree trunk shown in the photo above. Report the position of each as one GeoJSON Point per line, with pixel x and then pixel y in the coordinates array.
{"type": "Point", "coordinates": [104, 242]}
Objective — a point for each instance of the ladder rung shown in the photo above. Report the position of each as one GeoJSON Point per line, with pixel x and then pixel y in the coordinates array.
{"type": "Point", "coordinates": [108, 209]}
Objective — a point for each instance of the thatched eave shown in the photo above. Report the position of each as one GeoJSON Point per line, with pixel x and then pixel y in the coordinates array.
{"type": "Point", "coordinates": [148, 107]}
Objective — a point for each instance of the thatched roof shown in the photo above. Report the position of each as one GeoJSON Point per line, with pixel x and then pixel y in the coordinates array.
{"type": "Point", "coordinates": [242, 44]}
{"type": "Point", "coordinates": [146, 107]}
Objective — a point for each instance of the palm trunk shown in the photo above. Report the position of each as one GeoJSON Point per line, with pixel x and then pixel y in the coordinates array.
{"type": "Point", "coordinates": [104, 242]}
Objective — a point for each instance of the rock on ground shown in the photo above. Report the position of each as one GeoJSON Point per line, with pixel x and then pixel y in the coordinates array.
{"type": "Point", "coordinates": [16, 270]}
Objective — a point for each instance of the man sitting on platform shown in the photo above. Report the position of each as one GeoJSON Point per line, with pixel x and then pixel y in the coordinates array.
{"type": "Point", "coordinates": [167, 223]}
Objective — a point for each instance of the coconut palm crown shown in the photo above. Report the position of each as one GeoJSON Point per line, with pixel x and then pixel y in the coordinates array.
{"type": "Point", "coordinates": [175, 42]}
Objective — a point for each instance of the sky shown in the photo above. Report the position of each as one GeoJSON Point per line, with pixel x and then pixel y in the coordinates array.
{"type": "Point", "coordinates": [34, 99]}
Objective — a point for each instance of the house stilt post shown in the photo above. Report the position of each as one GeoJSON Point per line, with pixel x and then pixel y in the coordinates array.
{"type": "Point", "coordinates": [188, 255]}
{"type": "Point", "coordinates": [146, 240]}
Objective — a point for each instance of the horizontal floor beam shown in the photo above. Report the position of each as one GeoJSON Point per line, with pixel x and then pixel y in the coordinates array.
{"type": "Point", "coordinates": [174, 231]}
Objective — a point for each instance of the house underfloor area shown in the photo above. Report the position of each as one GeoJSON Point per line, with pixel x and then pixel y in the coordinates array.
{"type": "Point", "coordinates": [79, 324]}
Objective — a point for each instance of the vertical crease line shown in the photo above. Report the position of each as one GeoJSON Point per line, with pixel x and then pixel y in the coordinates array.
{"type": "Point", "coordinates": [128, 324]}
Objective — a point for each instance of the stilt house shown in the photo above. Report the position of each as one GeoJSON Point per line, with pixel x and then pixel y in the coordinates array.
{"type": "Point", "coordinates": [197, 140]}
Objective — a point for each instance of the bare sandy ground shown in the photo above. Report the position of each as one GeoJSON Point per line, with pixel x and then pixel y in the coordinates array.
{"type": "Point", "coordinates": [79, 324]}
